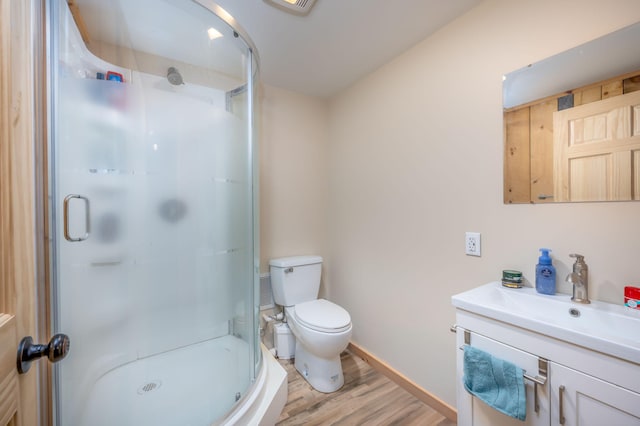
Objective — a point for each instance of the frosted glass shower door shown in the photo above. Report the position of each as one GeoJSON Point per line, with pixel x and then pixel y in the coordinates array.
{"type": "Point", "coordinates": [152, 204]}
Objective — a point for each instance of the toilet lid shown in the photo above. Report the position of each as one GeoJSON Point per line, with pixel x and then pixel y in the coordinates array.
{"type": "Point", "coordinates": [322, 315]}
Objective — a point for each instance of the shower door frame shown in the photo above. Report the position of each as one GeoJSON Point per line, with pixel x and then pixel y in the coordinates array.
{"type": "Point", "coordinates": [47, 265]}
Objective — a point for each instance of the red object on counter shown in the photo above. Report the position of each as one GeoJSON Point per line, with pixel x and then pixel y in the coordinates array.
{"type": "Point", "coordinates": [632, 297]}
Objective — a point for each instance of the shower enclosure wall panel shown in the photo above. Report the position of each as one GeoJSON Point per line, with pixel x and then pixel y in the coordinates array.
{"type": "Point", "coordinates": [158, 299]}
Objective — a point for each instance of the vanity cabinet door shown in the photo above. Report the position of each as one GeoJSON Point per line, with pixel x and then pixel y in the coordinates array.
{"type": "Point", "coordinates": [588, 401]}
{"type": "Point", "coordinates": [474, 412]}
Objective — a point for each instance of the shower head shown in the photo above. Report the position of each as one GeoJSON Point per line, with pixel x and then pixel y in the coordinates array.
{"type": "Point", "coordinates": [174, 77]}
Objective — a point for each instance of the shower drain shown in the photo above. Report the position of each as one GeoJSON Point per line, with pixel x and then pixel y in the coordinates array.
{"type": "Point", "coordinates": [149, 387]}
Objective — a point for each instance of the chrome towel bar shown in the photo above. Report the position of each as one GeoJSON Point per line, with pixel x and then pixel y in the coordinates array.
{"type": "Point", "coordinates": [538, 379]}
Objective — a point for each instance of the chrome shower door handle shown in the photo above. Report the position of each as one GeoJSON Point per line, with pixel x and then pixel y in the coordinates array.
{"type": "Point", "coordinates": [87, 228]}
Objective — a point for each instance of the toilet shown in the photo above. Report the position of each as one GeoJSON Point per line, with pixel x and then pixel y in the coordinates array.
{"type": "Point", "coordinates": [322, 329]}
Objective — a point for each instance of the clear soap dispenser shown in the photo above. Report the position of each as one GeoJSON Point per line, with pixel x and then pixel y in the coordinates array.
{"type": "Point", "coordinates": [545, 274]}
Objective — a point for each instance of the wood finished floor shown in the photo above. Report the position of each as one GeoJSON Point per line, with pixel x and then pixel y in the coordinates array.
{"type": "Point", "coordinates": [367, 398]}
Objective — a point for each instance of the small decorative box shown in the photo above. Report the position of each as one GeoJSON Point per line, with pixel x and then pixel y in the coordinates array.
{"type": "Point", "coordinates": [511, 278]}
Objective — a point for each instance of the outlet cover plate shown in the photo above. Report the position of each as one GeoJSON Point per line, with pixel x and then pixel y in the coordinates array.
{"type": "Point", "coordinates": [472, 243]}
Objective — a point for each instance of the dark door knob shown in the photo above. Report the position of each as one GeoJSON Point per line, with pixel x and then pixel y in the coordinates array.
{"type": "Point", "coordinates": [55, 350]}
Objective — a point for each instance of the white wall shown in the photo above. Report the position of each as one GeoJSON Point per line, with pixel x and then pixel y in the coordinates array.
{"type": "Point", "coordinates": [293, 174]}
{"type": "Point", "coordinates": [415, 160]}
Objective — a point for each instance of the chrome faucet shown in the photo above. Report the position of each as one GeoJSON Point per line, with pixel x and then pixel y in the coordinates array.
{"type": "Point", "coordinates": [580, 280]}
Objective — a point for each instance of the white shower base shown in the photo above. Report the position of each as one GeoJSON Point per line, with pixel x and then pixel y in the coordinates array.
{"type": "Point", "coordinates": [189, 386]}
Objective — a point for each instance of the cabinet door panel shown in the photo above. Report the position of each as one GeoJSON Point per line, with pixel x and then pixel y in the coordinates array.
{"type": "Point", "coordinates": [588, 401]}
{"type": "Point", "coordinates": [473, 412]}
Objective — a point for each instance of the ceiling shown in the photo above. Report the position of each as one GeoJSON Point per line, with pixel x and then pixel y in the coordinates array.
{"type": "Point", "coordinates": [339, 41]}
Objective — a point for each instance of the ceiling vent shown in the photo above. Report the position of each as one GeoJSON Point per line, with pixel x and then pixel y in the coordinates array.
{"type": "Point", "coordinates": [299, 7]}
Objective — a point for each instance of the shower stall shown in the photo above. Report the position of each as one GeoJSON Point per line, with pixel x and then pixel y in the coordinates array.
{"type": "Point", "coordinates": [153, 232]}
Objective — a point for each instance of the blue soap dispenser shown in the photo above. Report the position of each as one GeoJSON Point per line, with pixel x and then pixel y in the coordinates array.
{"type": "Point", "coordinates": [545, 274]}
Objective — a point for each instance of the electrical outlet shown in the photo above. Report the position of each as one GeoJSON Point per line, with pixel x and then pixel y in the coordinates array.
{"type": "Point", "coordinates": [472, 243]}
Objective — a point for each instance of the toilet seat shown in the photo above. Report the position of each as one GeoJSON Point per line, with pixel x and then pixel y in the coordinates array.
{"type": "Point", "coordinates": [322, 315]}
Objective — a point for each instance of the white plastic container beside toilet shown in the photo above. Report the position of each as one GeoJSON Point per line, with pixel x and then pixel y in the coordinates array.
{"type": "Point", "coordinates": [284, 341]}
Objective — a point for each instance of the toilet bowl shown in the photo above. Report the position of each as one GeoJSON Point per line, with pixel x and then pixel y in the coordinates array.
{"type": "Point", "coordinates": [322, 328]}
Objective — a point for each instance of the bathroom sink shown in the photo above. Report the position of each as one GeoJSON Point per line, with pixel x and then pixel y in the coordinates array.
{"type": "Point", "coordinates": [604, 327]}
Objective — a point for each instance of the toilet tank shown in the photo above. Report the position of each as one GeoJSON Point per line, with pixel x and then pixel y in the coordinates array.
{"type": "Point", "coordinates": [295, 279]}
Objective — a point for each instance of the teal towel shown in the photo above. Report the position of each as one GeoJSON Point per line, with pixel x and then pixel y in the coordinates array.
{"type": "Point", "coordinates": [498, 383]}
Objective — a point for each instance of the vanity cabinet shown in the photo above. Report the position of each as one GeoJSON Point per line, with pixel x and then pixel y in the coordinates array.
{"type": "Point", "coordinates": [581, 399]}
{"type": "Point", "coordinates": [582, 386]}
